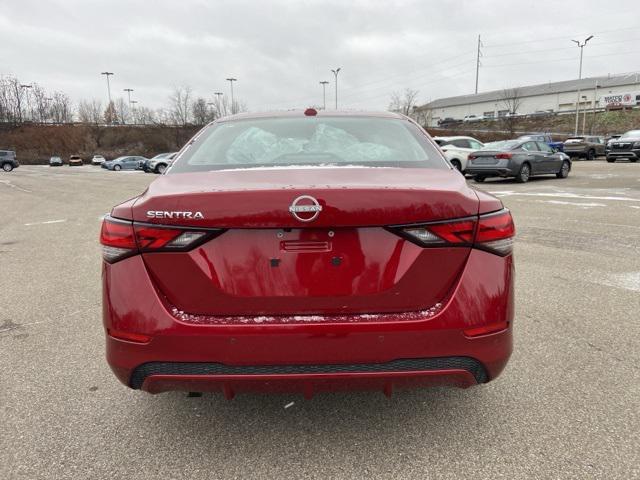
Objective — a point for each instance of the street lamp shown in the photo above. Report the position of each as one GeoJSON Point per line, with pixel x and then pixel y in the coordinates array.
{"type": "Point", "coordinates": [581, 45]}
{"type": "Point", "coordinates": [219, 104]}
{"type": "Point", "coordinates": [231, 80]}
{"type": "Point", "coordinates": [128, 90]}
{"type": "Point", "coordinates": [324, 84]}
{"type": "Point", "coordinates": [335, 73]}
{"type": "Point", "coordinates": [108, 74]}
{"type": "Point", "coordinates": [27, 87]}
{"type": "Point", "coordinates": [132, 105]}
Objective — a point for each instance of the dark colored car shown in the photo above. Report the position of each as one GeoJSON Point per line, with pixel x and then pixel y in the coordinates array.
{"type": "Point", "coordinates": [55, 161]}
{"type": "Point", "coordinates": [8, 160]}
{"type": "Point", "coordinates": [627, 146]}
{"type": "Point", "coordinates": [308, 252]}
{"type": "Point", "coordinates": [588, 147]}
{"type": "Point", "coordinates": [521, 159]}
{"type": "Point", "coordinates": [546, 138]}
{"type": "Point", "coordinates": [127, 162]}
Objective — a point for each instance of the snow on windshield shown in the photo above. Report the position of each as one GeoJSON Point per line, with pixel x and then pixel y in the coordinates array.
{"type": "Point", "coordinates": [259, 146]}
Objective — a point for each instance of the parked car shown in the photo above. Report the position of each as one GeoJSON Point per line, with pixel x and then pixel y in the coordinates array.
{"type": "Point", "coordinates": [55, 161]}
{"type": "Point", "coordinates": [159, 163]}
{"type": "Point", "coordinates": [627, 146]}
{"type": "Point", "coordinates": [588, 147]}
{"type": "Point", "coordinates": [98, 160]}
{"type": "Point", "coordinates": [447, 121]}
{"type": "Point", "coordinates": [75, 160]}
{"type": "Point", "coordinates": [609, 139]}
{"type": "Point", "coordinates": [521, 159]}
{"type": "Point", "coordinates": [457, 149]}
{"type": "Point", "coordinates": [473, 118]}
{"type": "Point", "coordinates": [8, 160]}
{"type": "Point", "coordinates": [546, 138]}
{"type": "Point", "coordinates": [127, 162]}
{"type": "Point", "coordinates": [292, 268]}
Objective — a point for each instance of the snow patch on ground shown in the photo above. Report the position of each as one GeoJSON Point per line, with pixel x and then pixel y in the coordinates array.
{"type": "Point", "coordinates": [628, 281]}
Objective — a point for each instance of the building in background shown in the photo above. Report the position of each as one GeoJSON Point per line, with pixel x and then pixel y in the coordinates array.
{"type": "Point", "coordinates": [609, 91]}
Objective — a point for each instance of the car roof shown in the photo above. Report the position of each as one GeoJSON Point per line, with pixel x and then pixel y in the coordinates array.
{"type": "Point", "coordinates": [457, 137]}
{"type": "Point", "coordinates": [300, 113]}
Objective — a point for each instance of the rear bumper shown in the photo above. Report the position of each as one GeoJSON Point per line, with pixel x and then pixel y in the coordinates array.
{"type": "Point", "coordinates": [309, 358]}
{"type": "Point", "coordinates": [491, 171]}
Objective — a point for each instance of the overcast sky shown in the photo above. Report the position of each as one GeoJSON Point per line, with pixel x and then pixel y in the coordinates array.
{"type": "Point", "coordinates": [280, 50]}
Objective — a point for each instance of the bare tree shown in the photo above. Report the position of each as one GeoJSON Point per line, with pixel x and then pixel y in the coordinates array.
{"type": "Point", "coordinates": [403, 102]}
{"type": "Point", "coordinates": [144, 116]}
{"type": "Point", "coordinates": [90, 112]}
{"type": "Point", "coordinates": [110, 115]}
{"type": "Point", "coordinates": [61, 111]}
{"type": "Point", "coordinates": [201, 112]}
{"type": "Point", "coordinates": [511, 101]}
{"type": "Point", "coordinates": [122, 111]}
{"type": "Point", "coordinates": [180, 101]}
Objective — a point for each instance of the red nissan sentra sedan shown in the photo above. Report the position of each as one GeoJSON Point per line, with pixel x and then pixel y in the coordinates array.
{"type": "Point", "coordinates": [308, 252]}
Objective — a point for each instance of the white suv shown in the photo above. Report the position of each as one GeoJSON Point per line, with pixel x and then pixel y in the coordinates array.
{"type": "Point", "coordinates": [97, 160]}
{"type": "Point", "coordinates": [457, 149]}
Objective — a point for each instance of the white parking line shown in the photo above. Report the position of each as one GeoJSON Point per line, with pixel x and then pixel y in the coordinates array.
{"type": "Point", "coordinates": [510, 193]}
{"type": "Point", "coordinates": [48, 222]}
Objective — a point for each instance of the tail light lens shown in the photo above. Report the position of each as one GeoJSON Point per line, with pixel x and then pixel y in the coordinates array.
{"type": "Point", "coordinates": [121, 238]}
{"type": "Point", "coordinates": [504, 155]}
{"type": "Point", "coordinates": [493, 232]}
{"type": "Point", "coordinates": [472, 157]}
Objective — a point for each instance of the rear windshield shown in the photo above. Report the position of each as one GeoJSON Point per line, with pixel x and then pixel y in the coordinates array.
{"type": "Point", "coordinates": [575, 140]}
{"type": "Point", "coordinates": [502, 145]}
{"type": "Point", "coordinates": [310, 141]}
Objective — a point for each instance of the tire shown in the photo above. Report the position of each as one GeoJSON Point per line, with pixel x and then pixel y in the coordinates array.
{"type": "Point", "coordinates": [456, 163]}
{"type": "Point", "coordinates": [117, 168]}
{"type": "Point", "coordinates": [591, 155]}
{"type": "Point", "coordinates": [564, 170]}
{"type": "Point", "coordinates": [633, 160]}
{"type": "Point", "coordinates": [479, 178]}
{"type": "Point", "coordinates": [7, 167]}
{"type": "Point", "coordinates": [524, 173]}
{"type": "Point", "coordinates": [161, 168]}
{"type": "Point", "coordinates": [611, 160]}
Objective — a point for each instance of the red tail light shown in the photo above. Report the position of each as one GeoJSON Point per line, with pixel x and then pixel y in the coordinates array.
{"type": "Point", "coordinates": [504, 156]}
{"type": "Point", "coordinates": [493, 232]}
{"type": "Point", "coordinates": [121, 238]}
{"type": "Point", "coordinates": [472, 157]}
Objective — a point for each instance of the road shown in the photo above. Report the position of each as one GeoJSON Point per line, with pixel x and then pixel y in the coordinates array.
{"type": "Point", "coordinates": [567, 405]}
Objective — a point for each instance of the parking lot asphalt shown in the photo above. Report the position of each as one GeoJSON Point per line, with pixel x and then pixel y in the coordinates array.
{"type": "Point", "coordinates": [567, 405]}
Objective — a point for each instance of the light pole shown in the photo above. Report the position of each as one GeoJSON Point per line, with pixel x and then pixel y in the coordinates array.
{"type": "Point", "coordinates": [231, 80]}
{"type": "Point", "coordinates": [27, 87]}
{"type": "Point", "coordinates": [48, 107]}
{"type": "Point", "coordinates": [581, 45]}
{"type": "Point", "coordinates": [132, 105]}
{"type": "Point", "coordinates": [128, 90]}
{"type": "Point", "coordinates": [219, 105]}
{"type": "Point", "coordinates": [324, 84]}
{"type": "Point", "coordinates": [335, 73]}
{"type": "Point", "coordinates": [108, 74]}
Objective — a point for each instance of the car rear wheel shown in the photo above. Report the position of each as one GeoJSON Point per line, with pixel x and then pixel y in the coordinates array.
{"type": "Point", "coordinates": [117, 168]}
{"type": "Point", "coordinates": [161, 168]}
{"type": "Point", "coordinates": [7, 167]}
{"type": "Point", "coordinates": [456, 163]}
{"type": "Point", "coordinates": [564, 170]}
{"type": "Point", "coordinates": [611, 160]}
{"type": "Point", "coordinates": [524, 173]}
{"type": "Point", "coordinates": [591, 154]}
{"type": "Point", "coordinates": [633, 160]}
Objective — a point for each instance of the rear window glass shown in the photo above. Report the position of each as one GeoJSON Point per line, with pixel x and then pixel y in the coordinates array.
{"type": "Point", "coordinates": [310, 141]}
{"type": "Point", "coordinates": [502, 145]}
{"type": "Point", "coordinates": [632, 134]}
